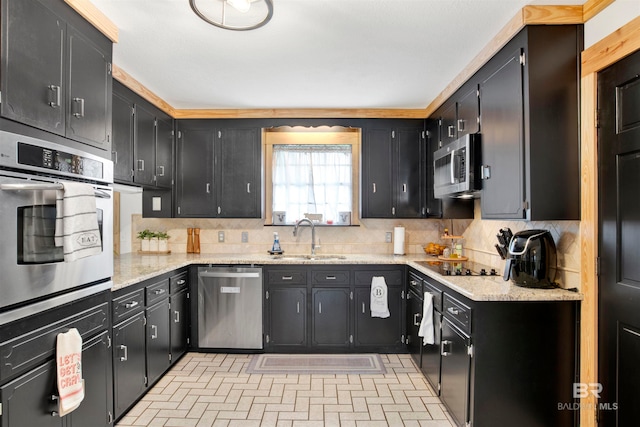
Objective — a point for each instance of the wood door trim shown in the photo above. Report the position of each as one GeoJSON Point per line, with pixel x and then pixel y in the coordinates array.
{"type": "Point", "coordinates": [95, 17]}
{"type": "Point", "coordinates": [607, 51]}
{"type": "Point", "coordinates": [592, 7]}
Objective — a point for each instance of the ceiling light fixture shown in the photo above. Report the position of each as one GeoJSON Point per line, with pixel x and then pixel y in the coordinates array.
{"type": "Point", "coordinates": [243, 15]}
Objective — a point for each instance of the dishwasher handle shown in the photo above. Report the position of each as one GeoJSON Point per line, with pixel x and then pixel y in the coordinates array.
{"type": "Point", "coordinates": [228, 274]}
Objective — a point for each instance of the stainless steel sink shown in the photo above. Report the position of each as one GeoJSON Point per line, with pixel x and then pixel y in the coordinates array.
{"type": "Point", "coordinates": [309, 257]}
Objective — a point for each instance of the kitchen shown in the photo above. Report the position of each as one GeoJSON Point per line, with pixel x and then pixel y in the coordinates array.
{"type": "Point", "coordinates": [371, 234]}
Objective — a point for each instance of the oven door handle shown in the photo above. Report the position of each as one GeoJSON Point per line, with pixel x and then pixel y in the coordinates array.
{"type": "Point", "coordinates": [101, 194]}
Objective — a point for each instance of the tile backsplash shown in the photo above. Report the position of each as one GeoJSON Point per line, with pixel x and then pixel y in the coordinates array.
{"type": "Point", "coordinates": [369, 237]}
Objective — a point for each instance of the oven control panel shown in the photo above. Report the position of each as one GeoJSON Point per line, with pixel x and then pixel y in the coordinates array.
{"type": "Point", "coordinates": [32, 155]}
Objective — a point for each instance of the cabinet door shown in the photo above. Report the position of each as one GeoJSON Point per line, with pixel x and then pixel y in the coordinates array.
{"type": "Point", "coordinates": [430, 364]}
{"type": "Point", "coordinates": [128, 362]}
{"type": "Point", "coordinates": [433, 205]}
{"type": "Point", "coordinates": [414, 316]}
{"type": "Point", "coordinates": [375, 331]}
{"type": "Point", "coordinates": [122, 146]}
{"type": "Point", "coordinates": [449, 124]}
{"type": "Point", "coordinates": [26, 401]}
{"type": "Point", "coordinates": [158, 340]}
{"type": "Point", "coordinates": [96, 408]}
{"type": "Point", "coordinates": [238, 163]}
{"type": "Point", "coordinates": [287, 317]}
{"type": "Point", "coordinates": [164, 153]}
{"type": "Point", "coordinates": [377, 178]}
{"type": "Point", "coordinates": [468, 112]}
{"type": "Point", "coordinates": [501, 102]}
{"type": "Point", "coordinates": [194, 180]}
{"type": "Point", "coordinates": [330, 320]}
{"type": "Point", "coordinates": [456, 367]}
{"type": "Point", "coordinates": [408, 184]}
{"type": "Point", "coordinates": [32, 65]}
{"type": "Point", "coordinates": [89, 92]}
{"type": "Point", "coordinates": [144, 146]}
{"type": "Point", "coordinates": [179, 304]}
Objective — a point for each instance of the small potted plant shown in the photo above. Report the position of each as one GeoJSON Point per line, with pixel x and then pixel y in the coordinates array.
{"type": "Point", "coordinates": [163, 242]}
{"type": "Point", "coordinates": [145, 236]}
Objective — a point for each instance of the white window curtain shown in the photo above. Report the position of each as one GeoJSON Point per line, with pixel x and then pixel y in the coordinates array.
{"type": "Point", "coordinates": [312, 179]}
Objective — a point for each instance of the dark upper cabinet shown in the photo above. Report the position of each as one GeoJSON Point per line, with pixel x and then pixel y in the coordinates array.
{"type": "Point", "coordinates": [392, 170]}
{"type": "Point", "coordinates": [432, 133]}
{"type": "Point", "coordinates": [194, 169]}
{"type": "Point", "coordinates": [239, 166]}
{"type": "Point", "coordinates": [448, 122]}
{"type": "Point", "coordinates": [218, 171]}
{"type": "Point", "coordinates": [468, 119]}
{"type": "Point", "coordinates": [529, 100]}
{"type": "Point", "coordinates": [54, 76]}
{"type": "Point", "coordinates": [144, 146]}
{"type": "Point", "coordinates": [164, 153]}
{"type": "Point", "coordinates": [122, 146]}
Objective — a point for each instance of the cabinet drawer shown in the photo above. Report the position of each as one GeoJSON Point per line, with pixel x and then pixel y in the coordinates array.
{"type": "Point", "coordinates": [287, 277]}
{"type": "Point", "coordinates": [128, 304]}
{"type": "Point", "coordinates": [330, 277]}
{"type": "Point", "coordinates": [436, 293]}
{"type": "Point", "coordinates": [458, 313]}
{"type": "Point", "coordinates": [157, 291]}
{"type": "Point", "coordinates": [177, 283]}
{"type": "Point", "coordinates": [391, 277]}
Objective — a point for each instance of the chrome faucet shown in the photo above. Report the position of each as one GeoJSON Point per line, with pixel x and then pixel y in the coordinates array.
{"type": "Point", "coordinates": [313, 233]}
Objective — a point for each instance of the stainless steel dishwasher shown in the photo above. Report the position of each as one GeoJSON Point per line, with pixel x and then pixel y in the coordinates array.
{"type": "Point", "coordinates": [230, 308]}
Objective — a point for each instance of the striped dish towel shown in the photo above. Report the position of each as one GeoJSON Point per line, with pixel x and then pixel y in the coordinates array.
{"type": "Point", "coordinates": [76, 221]}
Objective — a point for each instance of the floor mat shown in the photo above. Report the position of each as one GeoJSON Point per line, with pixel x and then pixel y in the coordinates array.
{"type": "Point", "coordinates": [355, 364]}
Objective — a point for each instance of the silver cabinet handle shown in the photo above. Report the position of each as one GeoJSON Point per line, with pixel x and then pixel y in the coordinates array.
{"type": "Point", "coordinates": [228, 274]}
{"type": "Point", "coordinates": [248, 187]}
{"type": "Point", "coordinates": [451, 131]}
{"type": "Point", "coordinates": [55, 96]}
{"type": "Point", "coordinates": [374, 187]}
{"type": "Point", "coordinates": [161, 173]}
{"type": "Point", "coordinates": [115, 157]}
{"type": "Point", "coordinates": [453, 311]}
{"type": "Point", "coordinates": [319, 308]}
{"type": "Point", "coordinates": [208, 188]}
{"type": "Point", "coordinates": [77, 108]}
{"type": "Point", "coordinates": [181, 282]}
{"type": "Point", "coordinates": [154, 332]}
{"type": "Point", "coordinates": [416, 322]}
{"type": "Point", "coordinates": [159, 291]}
{"type": "Point", "coordinates": [460, 125]}
{"type": "Point", "coordinates": [131, 304]}
{"type": "Point", "coordinates": [404, 188]}
{"type": "Point", "coordinates": [219, 210]}
{"type": "Point", "coordinates": [298, 307]}
{"type": "Point", "coordinates": [176, 319]}
{"type": "Point", "coordinates": [287, 277]}
{"type": "Point", "coordinates": [140, 164]}
{"type": "Point", "coordinates": [362, 308]}
{"type": "Point", "coordinates": [125, 357]}
{"type": "Point", "coordinates": [447, 351]}
{"type": "Point", "coordinates": [413, 283]}
{"type": "Point", "coordinates": [330, 277]}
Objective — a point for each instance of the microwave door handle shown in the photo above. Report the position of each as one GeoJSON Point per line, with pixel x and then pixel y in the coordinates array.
{"type": "Point", "coordinates": [453, 166]}
{"type": "Point", "coordinates": [31, 187]}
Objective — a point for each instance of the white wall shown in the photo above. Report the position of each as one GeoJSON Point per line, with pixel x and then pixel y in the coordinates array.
{"type": "Point", "coordinates": [609, 20]}
{"type": "Point", "coordinates": [130, 204]}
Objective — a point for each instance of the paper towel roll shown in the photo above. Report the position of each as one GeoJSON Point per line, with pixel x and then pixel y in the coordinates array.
{"type": "Point", "coordinates": [398, 240]}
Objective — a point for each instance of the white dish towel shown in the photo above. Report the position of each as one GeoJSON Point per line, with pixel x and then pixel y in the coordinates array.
{"type": "Point", "coordinates": [379, 301]}
{"type": "Point", "coordinates": [69, 368]}
{"type": "Point", "coordinates": [426, 325]}
{"type": "Point", "coordinates": [77, 222]}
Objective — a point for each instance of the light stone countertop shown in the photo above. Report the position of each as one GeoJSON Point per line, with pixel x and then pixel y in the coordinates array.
{"type": "Point", "coordinates": [133, 268]}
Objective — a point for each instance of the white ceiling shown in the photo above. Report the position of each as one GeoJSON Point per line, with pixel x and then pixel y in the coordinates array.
{"type": "Point", "coordinates": [313, 53]}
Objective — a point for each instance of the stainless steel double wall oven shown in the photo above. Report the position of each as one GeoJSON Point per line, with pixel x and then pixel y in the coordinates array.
{"type": "Point", "coordinates": [35, 276]}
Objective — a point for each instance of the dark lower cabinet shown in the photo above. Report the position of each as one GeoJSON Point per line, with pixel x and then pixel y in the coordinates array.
{"type": "Point", "coordinates": [96, 409]}
{"type": "Point", "coordinates": [414, 317]}
{"type": "Point", "coordinates": [179, 313]}
{"type": "Point", "coordinates": [27, 400]}
{"type": "Point", "coordinates": [287, 317]}
{"type": "Point", "coordinates": [330, 326]}
{"type": "Point", "coordinates": [456, 364]}
{"type": "Point", "coordinates": [430, 359]}
{"type": "Point", "coordinates": [128, 362]}
{"type": "Point", "coordinates": [376, 332]}
{"type": "Point", "coordinates": [158, 341]}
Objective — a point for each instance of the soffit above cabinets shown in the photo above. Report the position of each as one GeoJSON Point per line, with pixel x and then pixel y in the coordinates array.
{"type": "Point", "coordinates": [314, 54]}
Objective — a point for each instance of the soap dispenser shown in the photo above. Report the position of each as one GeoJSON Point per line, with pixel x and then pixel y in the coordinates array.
{"type": "Point", "coordinates": [276, 244]}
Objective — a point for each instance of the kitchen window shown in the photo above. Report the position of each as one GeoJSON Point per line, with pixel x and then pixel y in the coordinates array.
{"type": "Point", "coordinates": [312, 173]}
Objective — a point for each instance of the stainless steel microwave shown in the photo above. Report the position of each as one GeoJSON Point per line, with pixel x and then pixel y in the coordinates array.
{"type": "Point", "coordinates": [456, 168]}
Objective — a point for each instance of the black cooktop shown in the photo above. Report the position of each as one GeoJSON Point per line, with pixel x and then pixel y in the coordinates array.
{"type": "Point", "coordinates": [465, 268]}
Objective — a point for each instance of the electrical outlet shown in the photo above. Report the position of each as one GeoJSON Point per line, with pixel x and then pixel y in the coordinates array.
{"type": "Point", "coordinates": [387, 237]}
{"type": "Point", "coordinates": [245, 237]}
{"type": "Point", "coordinates": [220, 236]}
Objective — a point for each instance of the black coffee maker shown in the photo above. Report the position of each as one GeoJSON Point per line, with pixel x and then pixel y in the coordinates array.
{"type": "Point", "coordinates": [531, 259]}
